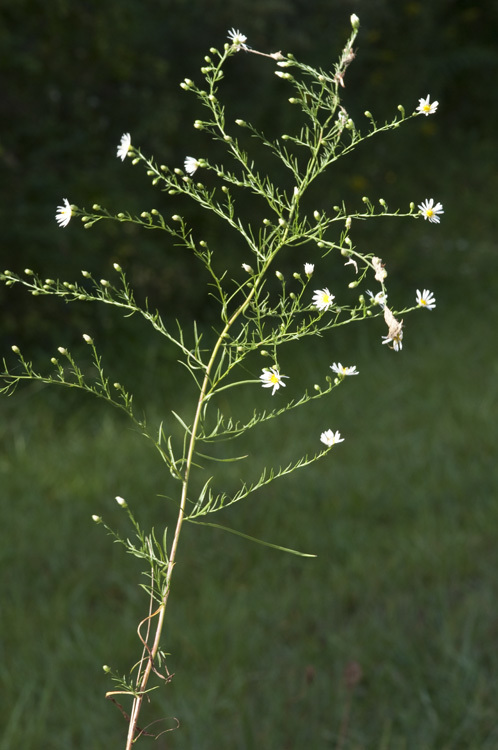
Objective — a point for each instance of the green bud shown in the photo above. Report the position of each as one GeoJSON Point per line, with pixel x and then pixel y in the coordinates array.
{"type": "Point", "coordinates": [96, 207]}
{"type": "Point", "coordinates": [54, 361]}
{"type": "Point", "coordinates": [88, 338]}
{"type": "Point", "coordinates": [279, 275]}
{"type": "Point", "coordinates": [28, 272]}
{"type": "Point", "coordinates": [117, 267]}
{"type": "Point", "coordinates": [355, 22]}
{"type": "Point", "coordinates": [15, 349]}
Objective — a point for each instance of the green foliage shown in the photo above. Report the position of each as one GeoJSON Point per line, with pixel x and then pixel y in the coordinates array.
{"type": "Point", "coordinates": [256, 315]}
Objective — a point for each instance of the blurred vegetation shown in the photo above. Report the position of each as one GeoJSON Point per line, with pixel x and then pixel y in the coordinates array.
{"type": "Point", "coordinates": [403, 516]}
{"type": "Point", "coordinates": [76, 76]}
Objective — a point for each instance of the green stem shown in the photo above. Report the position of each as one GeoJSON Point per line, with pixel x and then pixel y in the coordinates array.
{"type": "Point", "coordinates": [142, 686]}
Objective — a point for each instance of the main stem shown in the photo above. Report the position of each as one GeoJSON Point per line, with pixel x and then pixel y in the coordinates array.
{"type": "Point", "coordinates": [152, 652]}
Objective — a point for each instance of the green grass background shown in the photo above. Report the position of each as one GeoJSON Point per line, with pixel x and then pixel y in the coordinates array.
{"type": "Point", "coordinates": [402, 516]}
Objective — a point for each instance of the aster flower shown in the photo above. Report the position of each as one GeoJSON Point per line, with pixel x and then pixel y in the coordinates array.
{"type": "Point", "coordinates": [395, 334]}
{"type": "Point", "coordinates": [271, 378]}
{"type": "Point", "coordinates": [322, 299]}
{"type": "Point", "coordinates": [377, 299]}
{"type": "Point", "coordinates": [191, 165]}
{"type": "Point", "coordinates": [331, 438]}
{"type": "Point", "coordinates": [431, 211]}
{"type": "Point", "coordinates": [343, 371]}
{"type": "Point", "coordinates": [426, 299]}
{"type": "Point", "coordinates": [308, 269]}
{"type": "Point", "coordinates": [63, 214]}
{"type": "Point", "coordinates": [124, 146]}
{"type": "Point", "coordinates": [425, 107]}
{"type": "Point", "coordinates": [237, 39]}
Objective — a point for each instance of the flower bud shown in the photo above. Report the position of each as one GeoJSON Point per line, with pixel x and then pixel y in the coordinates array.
{"type": "Point", "coordinates": [279, 275]}
{"type": "Point", "coordinates": [61, 350]}
{"type": "Point", "coordinates": [15, 349]}
{"type": "Point", "coordinates": [355, 22]}
{"type": "Point", "coordinates": [97, 519]}
{"type": "Point", "coordinates": [104, 282]}
{"type": "Point", "coordinates": [120, 501]}
{"type": "Point", "coordinates": [88, 338]}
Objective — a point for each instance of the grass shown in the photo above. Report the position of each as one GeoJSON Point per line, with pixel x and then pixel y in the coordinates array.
{"type": "Point", "coordinates": [402, 596]}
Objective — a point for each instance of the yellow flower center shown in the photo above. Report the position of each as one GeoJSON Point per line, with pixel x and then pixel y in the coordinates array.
{"type": "Point", "coordinates": [427, 107]}
{"type": "Point", "coordinates": [430, 212]}
{"type": "Point", "coordinates": [274, 379]}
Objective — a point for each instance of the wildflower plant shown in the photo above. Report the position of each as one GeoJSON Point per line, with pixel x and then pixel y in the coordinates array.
{"type": "Point", "coordinates": [253, 317]}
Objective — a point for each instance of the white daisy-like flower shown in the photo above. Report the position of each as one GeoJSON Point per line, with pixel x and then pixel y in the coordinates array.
{"type": "Point", "coordinates": [271, 378]}
{"type": "Point", "coordinates": [237, 38]}
{"type": "Point", "coordinates": [396, 341]}
{"type": "Point", "coordinates": [191, 165]}
{"type": "Point", "coordinates": [431, 211]}
{"type": "Point", "coordinates": [343, 372]}
{"type": "Point", "coordinates": [330, 438]}
{"type": "Point", "coordinates": [425, 107]}
{"type": "Point", "coordinates": [63, 214]}
{"type": "Point", "coordinates": [124, 146]}
{"type": "Point", "coordinates": [323, 299]}
{"type": "Point", "coordinates": [426, 299]}
{"type": "Point", "coordinates": [308, 269]}
{"type": "Point", "coordinates": [395, 333]}
{"type": "Point", "coordinates": [377, 299]}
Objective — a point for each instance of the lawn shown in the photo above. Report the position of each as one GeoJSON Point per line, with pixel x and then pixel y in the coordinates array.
{"type": "Point", "coordinates": [387, 639]}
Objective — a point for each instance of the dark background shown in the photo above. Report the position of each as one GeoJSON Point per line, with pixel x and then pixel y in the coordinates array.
{"type": "Point", "coordinates": [75, 76]}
